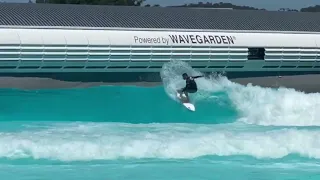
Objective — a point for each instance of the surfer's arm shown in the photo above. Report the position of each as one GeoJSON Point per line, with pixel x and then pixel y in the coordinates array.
{"type": "Point", "coordinates": [195, 77]}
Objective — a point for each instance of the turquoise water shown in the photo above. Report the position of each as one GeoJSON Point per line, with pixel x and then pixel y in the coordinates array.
{"type": "Point", "coordinates": [127, 132]}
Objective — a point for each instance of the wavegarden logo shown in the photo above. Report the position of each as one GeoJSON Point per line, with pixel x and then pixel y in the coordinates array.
{"type": "Point", "coordinates": [202, 39]}
{"type": "Point", "coordinates": [185, 39]}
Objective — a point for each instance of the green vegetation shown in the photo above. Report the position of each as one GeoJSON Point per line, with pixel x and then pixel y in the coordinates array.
{"type": "Point", "coordinates": [95, 2]}
{"type": "Point", "coordinates": [219, 5]}
{"type": "Point", "coordinates": [229, 5]}
{"type": "Point", "coordinates": [200, 4]}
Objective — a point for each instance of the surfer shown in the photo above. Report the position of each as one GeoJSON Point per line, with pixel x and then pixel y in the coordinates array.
{"type": "Point", "coordinates": [191, 85]}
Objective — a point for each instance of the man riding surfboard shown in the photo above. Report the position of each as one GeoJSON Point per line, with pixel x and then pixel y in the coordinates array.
{"type": "Point", "coordinates": [191, 85]}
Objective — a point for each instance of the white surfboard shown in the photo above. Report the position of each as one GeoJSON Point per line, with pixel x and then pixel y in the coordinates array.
{"type": "Point", "coordinates": [185, 102]}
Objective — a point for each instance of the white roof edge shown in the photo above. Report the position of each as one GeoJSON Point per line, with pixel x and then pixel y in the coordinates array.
{"type": "Point", "coordinates": [154, 29]}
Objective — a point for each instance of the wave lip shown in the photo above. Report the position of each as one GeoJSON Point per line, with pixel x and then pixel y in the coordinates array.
{"type": "Point", "coordinates": [275, 107]}
{"type": "Point", "coordinates": [111, 142]}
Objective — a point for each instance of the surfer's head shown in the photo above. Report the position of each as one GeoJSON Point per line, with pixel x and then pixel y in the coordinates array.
{"type": "Point", "coordinates": [185, 76]}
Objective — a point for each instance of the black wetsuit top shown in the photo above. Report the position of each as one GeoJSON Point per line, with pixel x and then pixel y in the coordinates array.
{"type": "Point", "coordinates": [191, 85]}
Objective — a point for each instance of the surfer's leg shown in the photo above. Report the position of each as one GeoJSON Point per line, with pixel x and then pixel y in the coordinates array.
{"type": "Point", "coordinates": [186, 92]}
{"type": "Point", "coordinates": [192, 90]}
{"type": "Point", "coordinates": [180, 92]}
{"type": "Point", "coordinates": [187, 95]}
{"type": "Point", "coordinates": [183, 94]}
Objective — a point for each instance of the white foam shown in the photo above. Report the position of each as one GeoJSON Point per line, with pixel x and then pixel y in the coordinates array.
{"type": "Point", "coordinates": [114, 141]}
{"type": "Point", "coordinates": [280, 107]}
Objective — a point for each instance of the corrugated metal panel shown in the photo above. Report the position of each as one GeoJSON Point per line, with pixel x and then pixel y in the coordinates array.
{"type": "Point", "coordinates": [155, 17]}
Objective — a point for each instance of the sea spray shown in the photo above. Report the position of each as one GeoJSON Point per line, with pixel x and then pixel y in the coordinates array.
{"type": "Point", "coordinates": [275, 107]}
{"type": "Point", "coordinates": [171, 75]}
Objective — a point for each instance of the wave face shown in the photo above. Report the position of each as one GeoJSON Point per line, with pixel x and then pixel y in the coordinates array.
{"type": "Point", "coordinates": [93, 133]}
